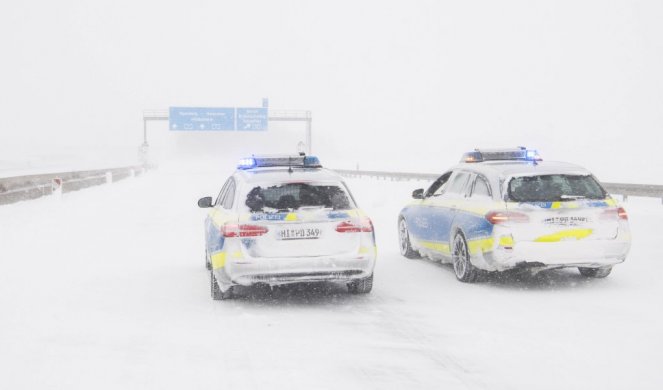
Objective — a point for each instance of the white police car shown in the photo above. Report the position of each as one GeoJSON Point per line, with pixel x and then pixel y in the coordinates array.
{"type": "Point", "coordinates": [504, 209]}
{"type": "Point", "coordinates": [280, 220]}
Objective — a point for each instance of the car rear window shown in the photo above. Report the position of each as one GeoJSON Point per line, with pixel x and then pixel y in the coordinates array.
{"type": "Point", "coordinates": [294, 196]}
{"type": "Point", "coordinates": [553, 188]}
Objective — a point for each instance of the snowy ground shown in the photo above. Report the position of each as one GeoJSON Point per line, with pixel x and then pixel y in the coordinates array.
{"type": "Point", "coordinates": [106, 289]}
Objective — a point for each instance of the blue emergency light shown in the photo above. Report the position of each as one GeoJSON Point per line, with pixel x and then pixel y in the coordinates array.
{"type": "Point", "coordinates": [246, 163]}
{"type": "Point", "coordinates": [299, 161]}
{"type": "Point", "coordinates": [516, 154]}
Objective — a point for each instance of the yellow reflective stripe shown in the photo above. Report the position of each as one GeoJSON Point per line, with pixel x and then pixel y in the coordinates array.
{"type": "Point", "coordinates": [564, 205]}
{"type": "Point", "coordinates": [436, 246]}
{"type": "Point", "coordinates": [506, 241]}
{"type": "Point", "coordinates": [218, 260]}
{"type": "Point", "coordinates": [578, 234]}
{"type": "Point", "coordinates": [481, 244]}
{"type": "Point", "coordinates": [364, 250]}
{"type": "Point", "coordinates": [291, 217]}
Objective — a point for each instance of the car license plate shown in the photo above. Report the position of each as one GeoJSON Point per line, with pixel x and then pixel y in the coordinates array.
{"type": "Point", "coordinates": [299, 234]}
{"type": "Point", "coordinates": [567, 221]}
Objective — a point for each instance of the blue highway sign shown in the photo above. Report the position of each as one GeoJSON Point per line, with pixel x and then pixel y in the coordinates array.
{"type": "Point", "coordinates": [201, 118]}
{"type": "Point", "coordinates": [252, 119]}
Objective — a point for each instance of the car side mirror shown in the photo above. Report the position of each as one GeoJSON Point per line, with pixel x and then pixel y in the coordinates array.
{"type": "Point", "coordinates": [205, 202]}
{"type": "Point", "coordinates": [418, 194]}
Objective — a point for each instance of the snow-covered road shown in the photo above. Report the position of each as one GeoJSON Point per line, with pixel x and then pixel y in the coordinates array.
{"type": "Point", "coordinates": [106, 289]}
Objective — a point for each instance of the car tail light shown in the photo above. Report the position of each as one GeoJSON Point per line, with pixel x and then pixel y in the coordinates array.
{"type": "Point", "coordinates": [233, 230]}
{"type": "Point", "coordinates": [497, 217]}
{"type": "Point", "coordinates": [363, 225]}
{"type": "Point", "coordinates": [618, 213]}
{"type": "Point", "coordinates": [622, 214]}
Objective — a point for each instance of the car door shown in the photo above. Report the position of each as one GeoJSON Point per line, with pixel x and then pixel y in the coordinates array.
{"type": "Point", "coordinates": [452, 200]}
{"type": "Point", "coordinates": [471, 206]}
{"type": "Point", "coordinates": [419, 214]}
{"type": "Point", "coordinates": [434, 216]}
{"type": "Point", "coordinates": [219, 215]}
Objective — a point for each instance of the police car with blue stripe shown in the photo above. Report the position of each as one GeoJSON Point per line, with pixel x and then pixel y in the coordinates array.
{"type": "Point", "coordinates": [501, 209]}
{"type": "Point", "coordinates": [285, 219]}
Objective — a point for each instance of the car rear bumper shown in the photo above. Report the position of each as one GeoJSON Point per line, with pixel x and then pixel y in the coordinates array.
{"type": "Point", "coordinates": [275, 271]}
{"type": "Point", "coordinates": [594, 253]}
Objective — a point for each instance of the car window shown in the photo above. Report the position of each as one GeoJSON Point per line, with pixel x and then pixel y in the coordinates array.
{"type": "Point", "coordinates": [222, 192]}
{"type": "Point", "coordinates": [481, 188]}
{"type": "Point", "coordinates": [294, 196]}
{"type": "Point", "coordinates": [551, 188]}
{"type": "Point", "coordinates": [439, 185]}
{"type": "Point", "coordinates": [229, 196]}
{"type": "Point", "coordinates": [459, 181]}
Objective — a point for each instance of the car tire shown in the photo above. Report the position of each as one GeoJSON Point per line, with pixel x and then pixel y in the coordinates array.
{"type": "Point", "coordinates": [362, 286]}
{"type": "Point", "coordinates": [404, 240]}
{"type": "Point", "coordinates": [595, 272]}
{"type": "Point", "coordinates": [217, 294]}
{"type": "Point", "coordinates": [463, 268]}
{"type": "Point", "coordinates": [208, 264]}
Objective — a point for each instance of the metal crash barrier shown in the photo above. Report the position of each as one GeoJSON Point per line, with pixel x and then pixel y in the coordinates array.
{"type": "Point", "coordinates": [18, 188]}
{"type": "Point", "coordinates": [623, 189]}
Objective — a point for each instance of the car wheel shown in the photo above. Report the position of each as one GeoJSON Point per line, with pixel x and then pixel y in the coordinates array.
{"type": "Point", "coordinates": [404, 241]}
{"type": "Point", "coordinates": [595, 272]}
{"type": "Point", "coordinates": [363, 286]}
{"type": "Point", "coordinates": [217, 294]}
{"type": "Point", "coordinates": [208, 265]}
{"type": "Point", "coordinates": [463, 268]}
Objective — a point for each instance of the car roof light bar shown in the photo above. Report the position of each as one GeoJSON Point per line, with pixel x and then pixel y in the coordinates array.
{"type": "Point", "coordinates": [513, 154]}
{"type": "Point", "coordinates": [279, 161]}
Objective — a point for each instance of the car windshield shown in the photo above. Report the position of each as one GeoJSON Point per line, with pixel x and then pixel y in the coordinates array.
{"type": "Point", "coordinates": [553, 188]}
{"type": "Point", "coordinates": [295, 196]}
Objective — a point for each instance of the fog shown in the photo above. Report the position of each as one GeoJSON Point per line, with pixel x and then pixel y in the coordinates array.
{"type": "Point", "coordinates": [393, 85]}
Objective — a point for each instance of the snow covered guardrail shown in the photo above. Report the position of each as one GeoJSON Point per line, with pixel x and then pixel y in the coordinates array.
{"type": "Point", "coordinates": [14, 189]}
{"type": "Point", "coordinates": [625, 190]}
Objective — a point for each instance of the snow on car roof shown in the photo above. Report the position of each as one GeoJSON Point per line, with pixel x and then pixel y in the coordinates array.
{"type": "Point", "coordinates": [525, 168]}
{"type": "Point", "coordinates": [281, 174]}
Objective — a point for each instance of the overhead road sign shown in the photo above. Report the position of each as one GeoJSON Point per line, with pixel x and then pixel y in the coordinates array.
{"type": "Point", "coordinates": [252, 119]}
{"type": "Point", "coordinates": [225, 119]}
{"type": "Point", "coordinates": [201, 118]}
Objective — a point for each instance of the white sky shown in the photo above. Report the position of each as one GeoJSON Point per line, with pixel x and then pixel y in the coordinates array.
{"type": "Point", "coordinates": [400, 85]}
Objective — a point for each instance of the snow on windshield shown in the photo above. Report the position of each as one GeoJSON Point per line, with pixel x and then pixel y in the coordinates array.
{"type": "Point", "coordinates": [293, 196]}
{"type": "Point", "coordinates": [549, 188]}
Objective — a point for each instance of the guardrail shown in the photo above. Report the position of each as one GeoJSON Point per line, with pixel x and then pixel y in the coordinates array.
{"type": "Point", "coordinates": [18, 188]}
{"type": "Point", "coordinates": [623, 189]}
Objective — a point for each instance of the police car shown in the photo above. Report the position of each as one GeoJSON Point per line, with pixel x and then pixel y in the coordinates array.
{"type": "Point", "coordinates": [280, 220]}
{"type": "Point", "coordinates": [502, 209]}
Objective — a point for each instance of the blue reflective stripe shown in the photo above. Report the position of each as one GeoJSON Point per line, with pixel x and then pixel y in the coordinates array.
{"type": "Point", "coordinates": [215, 240]}
{"type": "Point", "coordinates": [434, 223]}
{"type": "Point", "coordinates": [338, 215]}
{"type": "Point", "coordinates": [428, 223]}
{"type": "Point", "coordinates": [473, 225]}
{"type": "Point", "coordinates": [269, 217]}
{"type": "Point", "coordinates": [565, 204]}
{"type": "Point", "coordinates": [282, 216]}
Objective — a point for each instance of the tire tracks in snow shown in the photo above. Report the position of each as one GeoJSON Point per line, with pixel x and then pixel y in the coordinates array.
{"type": "Point", "coordinates": [407, 336]}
